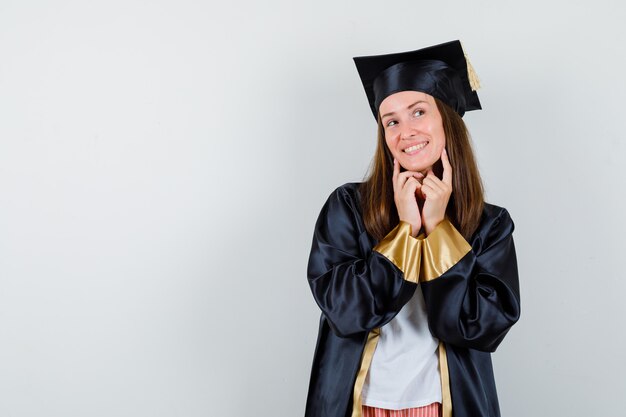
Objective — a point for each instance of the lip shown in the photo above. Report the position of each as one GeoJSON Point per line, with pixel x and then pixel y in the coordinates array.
{"type": "Point", "coordinates": [413, 144]}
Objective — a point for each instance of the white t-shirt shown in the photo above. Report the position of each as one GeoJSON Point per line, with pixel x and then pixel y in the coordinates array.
{"type": "Point", "coordinates": [404, 372]}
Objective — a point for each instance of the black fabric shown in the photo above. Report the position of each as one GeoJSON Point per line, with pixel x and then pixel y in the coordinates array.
{"type": "Point", "coordinates": [433, 77]}
{"type": "Point", "coordinates": [439, 70]}
{"type": "Point", "coordinates": [470, 308]}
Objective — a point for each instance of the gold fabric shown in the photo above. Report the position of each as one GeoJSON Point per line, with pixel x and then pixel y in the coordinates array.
{"type": "Point", "coordinates": [424, 258]}
{"type": "Point", "coordinates": [366, 360]}
{"type": "Point", "coordinates": [471, 73]}
{"type": "Point", "coordinates": [446, 397]}
{"type": "Point", "coordinates": [443, 248]}
{"type": "Point", "coordinates": [403, 250]}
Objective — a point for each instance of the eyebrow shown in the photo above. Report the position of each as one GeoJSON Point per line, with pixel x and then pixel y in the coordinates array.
{"type": "Point", "coordinates": [391, 113]}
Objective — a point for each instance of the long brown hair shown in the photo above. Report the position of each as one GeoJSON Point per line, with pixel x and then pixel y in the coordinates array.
{"type": "Point", "coordinates": [466, 202]}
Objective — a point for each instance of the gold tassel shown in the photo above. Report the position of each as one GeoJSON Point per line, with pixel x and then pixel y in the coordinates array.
{"type": "Point", "coordinates": [471, 74]}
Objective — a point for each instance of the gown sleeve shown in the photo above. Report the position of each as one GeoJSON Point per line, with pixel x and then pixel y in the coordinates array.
{"type": "Point", "coordinates": [474, 302]}
{"type": "Point", "coordinates": [359, 288]}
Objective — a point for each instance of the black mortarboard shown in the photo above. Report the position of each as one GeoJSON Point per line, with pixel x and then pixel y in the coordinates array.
{"type": "Point", "coordinates": [443, 71]}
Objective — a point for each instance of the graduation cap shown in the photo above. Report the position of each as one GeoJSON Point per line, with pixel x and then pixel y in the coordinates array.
{"type": "Point", "coordinates": [442, 71]}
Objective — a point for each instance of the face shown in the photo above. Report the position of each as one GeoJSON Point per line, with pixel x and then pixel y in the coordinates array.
{"type": "Point", "coordinates": [413, 129]}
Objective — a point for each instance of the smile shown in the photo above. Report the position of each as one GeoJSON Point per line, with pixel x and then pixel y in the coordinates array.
{"type": "Point", "coordinates": [415, 148]}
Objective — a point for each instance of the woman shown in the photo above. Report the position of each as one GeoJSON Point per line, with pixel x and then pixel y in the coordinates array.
{"type": "Point", "coordinates": [415, 274]}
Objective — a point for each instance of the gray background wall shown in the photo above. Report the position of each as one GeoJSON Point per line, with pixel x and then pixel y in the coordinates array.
{"type": "Point", "coordinates": [162, 165]}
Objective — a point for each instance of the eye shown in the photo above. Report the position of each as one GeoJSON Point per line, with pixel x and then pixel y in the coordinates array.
{"type": "Point", "coordinates": [391, 123]}
{"type": "Point", "coordinates": [418, 112]}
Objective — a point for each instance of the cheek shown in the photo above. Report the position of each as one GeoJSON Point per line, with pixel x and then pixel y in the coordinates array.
{"type": "Point", "coordinates": [442, 140]}
{"type": "Point", "coordinates": [441, 143]}
{"type": "Point", "coordinates": [435, 128]}
{"type": "Point", "coordinates": [390, 145]}
{"type": "Point", "coordinates": [441, 136]}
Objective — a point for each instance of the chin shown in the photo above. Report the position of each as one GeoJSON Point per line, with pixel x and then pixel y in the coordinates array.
{"type": "Point", "coordinates": [416, 166]}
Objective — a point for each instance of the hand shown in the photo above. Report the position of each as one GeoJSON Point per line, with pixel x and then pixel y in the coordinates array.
{"type": "Point", "coordinates": [436, 194]}
{"type": "Point", "coordinates": [405, 185]}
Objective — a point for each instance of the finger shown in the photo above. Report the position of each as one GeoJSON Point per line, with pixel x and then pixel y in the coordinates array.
{"type": "Point", "coordinates": [447, 168]}
{"type": "Point", "coordinates": [396, 171]}
{"type": "Point", "coordinates": [430, 174]}
{"type": "Point", "coordinates": [396, 168]}
{"type": "Point", "coordinates": [418, 191]}
{"type": "Point", "coordinates": [427, 190]}
{"type": "Point", "coordinates": [411, 182]}
{"type": "Point", "coordinates": [417, 175]}
{"type": "Point", "coordinates": [412, 187]}
{"type": "Point", "coordinates": [432, 190]}
{"type": "Point", "coordinates": [434, 181]}
{"type": "Point", "coordinates": [416, 183]}
{"type": "Point", "coordinates": [407, 174]}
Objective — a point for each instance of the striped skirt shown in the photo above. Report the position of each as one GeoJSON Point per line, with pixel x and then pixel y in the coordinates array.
{"type": "Point", "coordinates": [431, 410]}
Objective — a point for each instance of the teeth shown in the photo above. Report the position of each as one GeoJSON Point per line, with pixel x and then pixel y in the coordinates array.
{"type": "Point", "coordinates": [416, 147]}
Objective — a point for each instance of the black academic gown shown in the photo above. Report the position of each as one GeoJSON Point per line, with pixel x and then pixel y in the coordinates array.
{"type": "Point", "coordinates": [471, 291]}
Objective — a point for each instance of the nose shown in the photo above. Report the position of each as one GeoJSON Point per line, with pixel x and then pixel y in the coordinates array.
{"type": "Point", "coordinates": [407, 131]}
